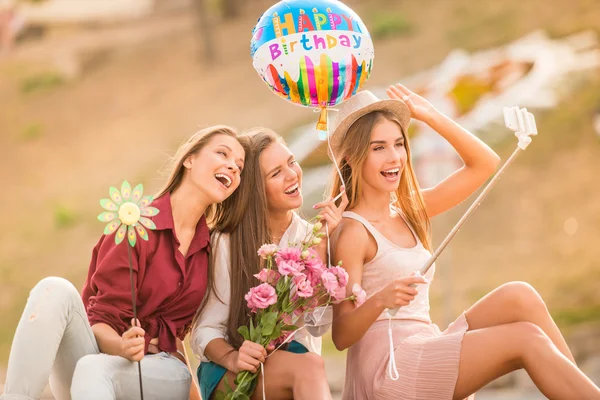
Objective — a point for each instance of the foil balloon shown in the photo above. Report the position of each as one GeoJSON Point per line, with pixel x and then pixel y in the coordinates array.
{"type": "Point", "coordinates": [314, 53]}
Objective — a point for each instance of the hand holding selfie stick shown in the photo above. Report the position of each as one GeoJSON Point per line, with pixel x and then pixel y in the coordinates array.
{"type": "Point", "coordinates": [523, 124]}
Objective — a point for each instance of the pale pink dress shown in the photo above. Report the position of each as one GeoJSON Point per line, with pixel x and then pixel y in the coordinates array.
{"type": "Point", "coordinates": [427, 359]}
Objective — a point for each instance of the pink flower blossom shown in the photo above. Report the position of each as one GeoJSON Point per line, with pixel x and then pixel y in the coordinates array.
{"type": "Point", "coordinates": [360, 296]}
{"type": "Point", "coordinates": [260, 297]}
{"type": "Point", "coordinates": [335, 280]}
{"type": "Point", "coordinates": [291, 267]}
{"type": "Point", "coordinates": [288, 254]}
{"type": "Point", "coordinates": [267, 250]}
{"type": "Point", "coordinates": [302, 286]}
{"type": "Point", "coordinates": [269, 276]}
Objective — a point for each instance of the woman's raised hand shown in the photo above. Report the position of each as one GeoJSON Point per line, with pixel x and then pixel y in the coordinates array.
{"type": "Point", "coordinates": [419, 108]}
{"type": "Point", "coordinates": [331, 213]}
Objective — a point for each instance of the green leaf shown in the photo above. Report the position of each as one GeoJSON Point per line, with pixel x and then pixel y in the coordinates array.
{"type": "Point", "coordinates": [219, 395]}
{"type": "Point", "coordinates": [257, 335]}
{"type": "Point", "coordinates": [268, 322]}
{"type": "Point", "coordinates": [243, 330]}
{"type": "Point", "coordinates": [276, 332]}
{"type": "Point", "coordinates": [289, 328]}
{"type": "Point", "coordinates": [285, 303]}
{"type": "Point", "coordinates": [252, 333]}
{"type": "Point", "coordinates": [281, 285]}
{"type": "Point", "coordinates": [227, 385]}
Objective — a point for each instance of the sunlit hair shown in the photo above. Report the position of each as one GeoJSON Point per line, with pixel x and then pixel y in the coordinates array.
{"type": "Point", "coordinates": [248, 229]}
{"type": "Point", "coordinates": [352, 151]}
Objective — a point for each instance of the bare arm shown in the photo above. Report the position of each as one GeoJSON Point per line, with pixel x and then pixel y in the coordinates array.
{"type": "Point", "coordinates": [350, 323]}
{"type": "Point", "coordinates": [480, 161]}
{"type": "Point", "coordinates": [221, 352]}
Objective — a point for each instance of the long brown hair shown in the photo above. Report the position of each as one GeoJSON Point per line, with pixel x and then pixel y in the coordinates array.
{"type": "Point", "coordinates": [352, 152]}
{"type": "Point", "coordinates": [246, 222]}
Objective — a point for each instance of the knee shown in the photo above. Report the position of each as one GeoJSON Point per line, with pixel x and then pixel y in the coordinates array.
{"type": "Point", "coordinates": [522, 296]}
{"type": "Point", "coordinates": [52, 291]}
{"type": "Point", "coordinates": [530, 337]}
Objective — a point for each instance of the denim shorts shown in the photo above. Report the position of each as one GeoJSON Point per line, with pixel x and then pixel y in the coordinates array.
{"type": "Point", "coordinates": [210, 374]}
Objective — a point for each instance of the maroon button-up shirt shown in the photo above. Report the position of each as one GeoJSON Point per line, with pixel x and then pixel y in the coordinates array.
{"type": "Point", "coordinates": [169, 286]}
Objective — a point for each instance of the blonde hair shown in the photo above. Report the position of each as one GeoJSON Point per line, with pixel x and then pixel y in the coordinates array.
{"type": "Point", "coordinates": [353, 149]}
{"type": "Point", "coordinates": [192, 146]}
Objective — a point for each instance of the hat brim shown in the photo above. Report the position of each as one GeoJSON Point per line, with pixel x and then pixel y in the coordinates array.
{"type": "Point", "coordinates": [395, 107]}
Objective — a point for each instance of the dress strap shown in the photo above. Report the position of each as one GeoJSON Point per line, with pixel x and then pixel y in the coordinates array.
{"type": "Point", "coordinates": [382, 243]}
{"type": "Point", "coordinates": [401, 214]}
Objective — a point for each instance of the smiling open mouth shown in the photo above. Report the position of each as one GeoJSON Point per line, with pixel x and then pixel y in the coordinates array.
{"type": "Point", "coordinates": [391, 173]}
{"type": "Point", "coordinates": [224, 179]}
{"type": "Point", "coordinates": [292, 189]}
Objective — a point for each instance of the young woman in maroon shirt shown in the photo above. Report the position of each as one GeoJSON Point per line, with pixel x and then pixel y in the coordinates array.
{"type": "Point", "coordinates": [86, 348]}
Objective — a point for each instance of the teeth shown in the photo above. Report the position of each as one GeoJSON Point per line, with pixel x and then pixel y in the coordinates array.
{"type": "Point", "coordinates": [291, 189]}
{"type": "Point", "coordinates": [227, 180]}
{"type": "Point", "coordinates": [392, 171]}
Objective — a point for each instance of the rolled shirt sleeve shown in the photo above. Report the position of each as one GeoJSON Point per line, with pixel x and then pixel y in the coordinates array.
{"type": "Point", "coordinates": [212, 323]}
{"type": "Point", "coordinates": [107, 290]}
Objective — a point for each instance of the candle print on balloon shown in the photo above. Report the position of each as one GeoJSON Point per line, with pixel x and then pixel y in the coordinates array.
{"type": "Point", "coordinates": [312, 53]}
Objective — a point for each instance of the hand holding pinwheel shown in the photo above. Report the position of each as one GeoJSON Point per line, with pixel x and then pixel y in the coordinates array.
{"type": "Point", "coordinates": [126, 213]}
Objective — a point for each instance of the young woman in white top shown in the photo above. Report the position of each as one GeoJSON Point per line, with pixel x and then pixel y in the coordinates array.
{"type": "Point", "coordinates": [266, 201]}
{"type": "Point", "coordinates": [382, 243]}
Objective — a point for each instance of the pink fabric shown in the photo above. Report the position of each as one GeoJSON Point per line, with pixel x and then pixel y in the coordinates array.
{"type": "Point", "coordinates": [427, 360]}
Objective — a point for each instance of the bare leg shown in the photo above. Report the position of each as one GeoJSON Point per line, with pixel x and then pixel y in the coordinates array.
{"type": "Point", "coordinates": [290, 376]}
{"type": "Point", "coordinates": [516, 302]}
{"type": "Point", "coordinates": [489, 353]}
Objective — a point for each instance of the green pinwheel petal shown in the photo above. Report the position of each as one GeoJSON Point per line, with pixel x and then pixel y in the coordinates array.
{"type": "Point", "coordinates": [108, 216]}
{"type": "Point", "coordinates": [145, 201]}
{"type": "Point", "coordinates": [148, 223]}
{"type": "Point", "coordinates": [137, 193]}
{"type": "Point", "coordinates": [126, 190]}
{"type": "Point", "coordinates": [121, 234]}
{"type": "Point", "coordinates": [112, 226]}
{"type": "Point", "coordinates": [149, 211]}
{"type": "Point", "coordinates": [115, 195]}
{"type": "Point", "coordinates": [108, 205]}
{"type": "Point", "coordinates": [141, 231]}
{"type": "Point", "coordinates": [131, 236]}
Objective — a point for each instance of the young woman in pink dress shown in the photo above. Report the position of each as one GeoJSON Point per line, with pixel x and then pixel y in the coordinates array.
{"type": "Point", "coordinates": [384, 239]}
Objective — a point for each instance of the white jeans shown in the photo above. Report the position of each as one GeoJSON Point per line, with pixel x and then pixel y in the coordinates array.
{"type": "Point", "coordinates": [54, 341]}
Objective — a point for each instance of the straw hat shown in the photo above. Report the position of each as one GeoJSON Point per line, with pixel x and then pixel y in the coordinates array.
{"type": "Point", "coordinates": [360, 105]}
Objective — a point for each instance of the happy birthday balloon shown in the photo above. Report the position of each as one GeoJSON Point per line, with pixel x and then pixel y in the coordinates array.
{"type": "Point", "coordinates": [314, 53]}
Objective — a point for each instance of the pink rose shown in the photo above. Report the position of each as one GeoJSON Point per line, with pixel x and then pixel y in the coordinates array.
{"type": "Point", "coordinates": [267, 250]}
{"type": "Point", "coordinates": [302, 286]}
{"type": "Point", "coordinates": [260, 297]}
{"type": "Point", "coordinates": [288, 254]}
{"type": "Point", "coordinates": [334, 280]}
{"type": "Point", "coordinates": [268, 275]}
{"type": "Point", "coordinates": [360, 296]}
{"type": "Point", "coordinates": [290, 267]}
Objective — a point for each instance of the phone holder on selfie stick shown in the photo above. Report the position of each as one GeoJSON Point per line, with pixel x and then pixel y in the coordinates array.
{"type": "Point", "coordinates": [522, 122]}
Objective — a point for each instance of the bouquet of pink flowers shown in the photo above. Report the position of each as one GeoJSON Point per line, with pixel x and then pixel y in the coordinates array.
{"type": "Point", "coordinates": [294, 281]}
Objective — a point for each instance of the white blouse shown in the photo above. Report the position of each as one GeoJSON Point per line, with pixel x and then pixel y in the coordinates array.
{"type": "Point", "coordinates": [212, 323]}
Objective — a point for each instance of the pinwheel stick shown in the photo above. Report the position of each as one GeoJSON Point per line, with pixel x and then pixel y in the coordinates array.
{"type": "Point", "coordinates": [134, 313]}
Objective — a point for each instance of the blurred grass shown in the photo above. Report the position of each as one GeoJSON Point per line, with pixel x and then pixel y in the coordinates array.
{"type": "Point", "coordinates": [383, 25]}
{"type": "Point", "coordinates": [43, 81]}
